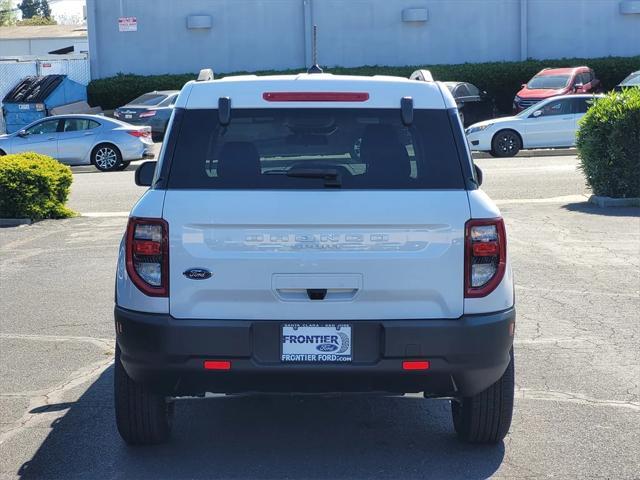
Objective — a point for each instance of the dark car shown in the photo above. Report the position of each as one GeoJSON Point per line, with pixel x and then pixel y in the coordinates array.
{"type": "Point", "coordinates": [151, 109]}
{"type": "Point", "coordinates": [633, 80]}
{"type": "Point", "coordinates": [474, 104]}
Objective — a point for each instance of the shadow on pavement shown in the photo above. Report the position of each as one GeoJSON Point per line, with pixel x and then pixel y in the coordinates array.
{"type": "Point", "coordinates": [80, 169]}
{"type": "Point", "coordinates": [266, 437]}
{"type": "Point", "coordinates": [585, 207]}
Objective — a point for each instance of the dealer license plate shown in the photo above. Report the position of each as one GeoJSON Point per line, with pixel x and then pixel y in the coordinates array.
{"type": "Point", "coordinates": [316, 343]}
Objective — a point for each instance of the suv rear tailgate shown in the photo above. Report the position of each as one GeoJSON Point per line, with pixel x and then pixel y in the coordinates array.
{"type": "Point", "coordinates": [378, 254]}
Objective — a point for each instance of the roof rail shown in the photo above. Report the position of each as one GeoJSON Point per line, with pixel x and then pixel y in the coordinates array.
{"type": "Point", "coordinates": [422, 76]}
{"type": "Point", "coordinates": [205, 75]}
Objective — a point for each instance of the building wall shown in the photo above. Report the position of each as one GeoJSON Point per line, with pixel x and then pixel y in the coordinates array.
{"type": "Point", "coordinates": [39, 46]}
{"type": "Point", "coordinates": [276, 34]}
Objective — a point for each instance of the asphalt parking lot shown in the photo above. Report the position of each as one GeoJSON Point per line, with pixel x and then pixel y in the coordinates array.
{"type": "Point", "coordinates": [577, 411]}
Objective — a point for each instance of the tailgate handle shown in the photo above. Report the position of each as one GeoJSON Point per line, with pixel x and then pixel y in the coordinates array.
{"type": "Point", "coordinates": [316, 293]}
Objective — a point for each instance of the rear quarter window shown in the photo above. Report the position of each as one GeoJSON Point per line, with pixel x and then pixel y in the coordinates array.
{"type": "Point", "coordinates": [276, 148]}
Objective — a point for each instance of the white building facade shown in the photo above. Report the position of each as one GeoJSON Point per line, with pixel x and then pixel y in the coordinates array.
{"type": "Point", "coordinates": [169, 36]}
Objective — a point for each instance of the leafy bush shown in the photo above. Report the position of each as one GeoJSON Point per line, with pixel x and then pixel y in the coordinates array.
{"type": "Point", "coordinates": [502, 80]}
{"type": "Point", "coordinates": [609, 144]}
{"type": "Point", "coordinates": [34, 186]}
{"type": "Point", "coordinates": [36, 22]}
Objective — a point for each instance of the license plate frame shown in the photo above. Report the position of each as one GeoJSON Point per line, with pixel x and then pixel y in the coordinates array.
{"type": "Point", "coordinates": [320, 343]}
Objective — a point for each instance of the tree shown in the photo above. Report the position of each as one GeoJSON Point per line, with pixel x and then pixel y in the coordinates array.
{"type": "Point", "coordinates": [7, 13]}
{"type": "Point", "coordinates": [44, 9]}
{"type": "Point", "coordinates": [35, 8]}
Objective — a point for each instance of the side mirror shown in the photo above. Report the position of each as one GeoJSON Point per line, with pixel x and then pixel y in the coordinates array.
{"type": "Point", "coordinates": [144, 174]}
{"type": "Point", "coordinates": [523, 85]}
{"type": "Point", "coordinates": [479, 176]}
{"type": "Point", "coordinates": [23, 133]}
{"type": "Point", "coordinates": [578, 86]}
{"type": "Point", "coordinates": [537, 113]}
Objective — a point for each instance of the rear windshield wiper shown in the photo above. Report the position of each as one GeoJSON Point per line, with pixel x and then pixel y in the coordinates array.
{"type": "Point", "coordinates": [331, 176]}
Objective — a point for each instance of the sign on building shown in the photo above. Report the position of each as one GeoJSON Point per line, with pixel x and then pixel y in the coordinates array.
{"type": "Point", "coordinates": [128, 24]}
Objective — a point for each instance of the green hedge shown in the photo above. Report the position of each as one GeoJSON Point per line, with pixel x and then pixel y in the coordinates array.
{"type": "Point", "coordinates": [34, 186]}
{"type": "Point", "coordinates": [609, 145]}
{"type": "Point", "coordinates": [501, 79]}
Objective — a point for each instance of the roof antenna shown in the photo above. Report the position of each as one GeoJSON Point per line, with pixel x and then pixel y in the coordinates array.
{"type": "Point", "coordinates": [315, 68]}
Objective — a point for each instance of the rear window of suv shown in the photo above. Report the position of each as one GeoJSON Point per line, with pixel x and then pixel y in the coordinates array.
{"type": "Point", "coordinates": [314, 149]}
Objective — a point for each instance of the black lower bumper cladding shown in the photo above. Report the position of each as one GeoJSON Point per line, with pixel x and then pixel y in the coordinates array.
{"type": "Point", "coordinates": [465, 355]}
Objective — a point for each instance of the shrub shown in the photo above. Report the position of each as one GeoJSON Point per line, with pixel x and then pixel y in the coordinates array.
{"type": "Point", "coordinates": [609, 145]}
{"type": "Point", "coordinates": [502, 80]}
{"type": "Point", "coordinates": [33, 186]}
{"type": "Point", "coordinates": [36, 22]}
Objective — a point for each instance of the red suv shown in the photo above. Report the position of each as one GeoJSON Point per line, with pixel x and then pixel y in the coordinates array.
{"type": "Point", "coordinates": [555, 81]}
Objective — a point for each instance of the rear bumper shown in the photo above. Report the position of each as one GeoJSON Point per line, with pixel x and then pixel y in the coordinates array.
{"type": "Point", "coordinates": [136, 150]}
{"type": "Point", "coordinates": [466, 355]}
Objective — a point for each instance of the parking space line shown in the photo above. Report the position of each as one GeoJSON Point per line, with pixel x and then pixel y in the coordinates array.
{"type": "Point", "coordinates": [104, 214]}
{"type": "Point", "coordinates": [568, 397]}
{"type": "Point", "coordinates": [579, 292]}
{"type": "Point", "coordinates": [106, 343]}
{"type": "Point", "coordinates": [562, 199]}
{"type": "Point", "coordinates": [553, 341]}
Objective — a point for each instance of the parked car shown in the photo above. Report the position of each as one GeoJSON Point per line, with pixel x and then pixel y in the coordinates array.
{"type": "Point", "coordinates": [266, 257]}
{"type": "Point", "coordinates": [473, 104]}
{"type": "Point", "coordinates": [551, 123]}
{"type": "Point", "coordinates": [152, 109]}
{"type": "Point", "coordinates": [82, 140]}
{"type": "Point", "coordinates": [631, 81]}
{"type": "Point", "coordinates": [552, 82]}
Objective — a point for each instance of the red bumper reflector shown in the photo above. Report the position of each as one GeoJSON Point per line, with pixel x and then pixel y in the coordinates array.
{"type": "Point", "coordinates": [217, 365]}
{"type": "Point", "coordinates": [416, 365]}
{"type": "Point", "coordinates": [315, 96]}
{"type": "Point", "coordinates": [485, 249]}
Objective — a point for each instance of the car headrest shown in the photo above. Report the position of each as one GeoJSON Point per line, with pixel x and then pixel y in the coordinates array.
{"type": "Point", "coordinates": [238, 161]}
{"type": "Point", "coordinates": [383, 153]}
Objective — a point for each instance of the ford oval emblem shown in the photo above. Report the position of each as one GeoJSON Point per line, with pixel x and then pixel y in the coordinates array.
{"type": "Point", "coordinates": [327, 347]}
{"type": "Point", "coordinates": [197, 274]}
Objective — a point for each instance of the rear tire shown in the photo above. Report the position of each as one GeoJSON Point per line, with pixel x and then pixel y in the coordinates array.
{"type": "Point", "coordinates": [142, 417]}
{"type": "Point", "coordinates": [106, 157]}
{"type": "Point", "coordinates": [122, 166]}
{"type": "Point", "coordinates": [486, 417]}
{"type": "Point", "coordinates": [506, 143]}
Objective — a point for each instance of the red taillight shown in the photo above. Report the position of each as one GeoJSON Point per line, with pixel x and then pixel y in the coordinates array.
{"type": "Point", "coordinates": [217, 365]}
{"type": "Point", "coordinates": [315, 96]}
{"type": "Point", "coordinates": [416, 365]}
{"type": "Point", "coordinates": [139, 133]}
{"type": "Point", "coordinates": [143, 247]}
{"type": "Point", "coordinates": [150, 113]}
{"type": "Point", "coordinates": [147, 249]}
{"type": "Point", "coordinates": [485, 256]}
{"type": "Point", "coordinates": [487, 249]}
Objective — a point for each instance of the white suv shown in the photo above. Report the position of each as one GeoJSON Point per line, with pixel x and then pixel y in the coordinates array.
{"type": "Point", "coordinates": [314, 233]}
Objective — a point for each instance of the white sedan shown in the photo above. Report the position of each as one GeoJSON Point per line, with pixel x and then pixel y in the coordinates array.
{"type": "Point", "coordinates": [551, 123]}
{"type": "Point", "coordinates": [106, 143]}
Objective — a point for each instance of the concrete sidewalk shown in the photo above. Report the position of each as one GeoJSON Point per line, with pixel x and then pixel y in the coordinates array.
{"type": "Point", "coordinates": [543, 152]}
